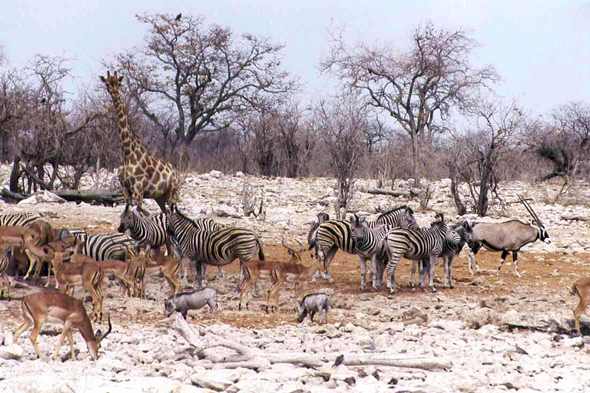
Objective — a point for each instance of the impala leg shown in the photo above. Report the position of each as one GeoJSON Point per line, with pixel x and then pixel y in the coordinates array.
{"type": "Point", "coordinates": [33, 337]}
{"type": "Point", "coordinates": [25, 325]}
{"type": "Point", "coordinates": [32, 262]}
{"type": "Point", "coordinates": [71, 341]}
{"type": "Point", "coordinates": [577, 313]}
{"type": "Point", "coordinates": [65, 333]}
{"type": "Point", "coordinates": [502, 259]}
{"type": "Point", "coordinates": [515, 261]}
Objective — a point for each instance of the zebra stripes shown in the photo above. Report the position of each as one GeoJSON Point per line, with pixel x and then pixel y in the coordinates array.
{"type": "Point", "coordinates": [147, 231]}
{"type": "Point", "coordinates": [104, 246]}
{"type": "Point", "coordinates": [416, 244]}
{"type": "Point", "coordinates": [21, 219]}
{"type": "Point", "coordinates": [337, 234]}
{"type": "Point", "coordinates": [212, 247]}
{"type": "Point", "coordinates": [462, 233]}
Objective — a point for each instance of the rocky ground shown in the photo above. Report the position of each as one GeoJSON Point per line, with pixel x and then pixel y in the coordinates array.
{"type": "Point", "coordinates": [491, 332]}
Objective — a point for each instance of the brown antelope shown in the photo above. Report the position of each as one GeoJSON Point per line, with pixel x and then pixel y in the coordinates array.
{"type": "Point", "coordinates": [120, 270]}
{"type": "Point", "coordinates": [52, 307]}
{"type": "Point", "coordinates": [11, 234]}
{"type": "Point", "coordinates": [582, 289]}
{"type": "Point", "coordinates": [38, 254]}
{"type": "Point", "coordinates": [86, 273]}
{"type": "Point", "coordinates": [297, 271]}
{"type": "Point", "coordinates": [252, 271]}
{"type": "Point", "coordinates": [5, 254]}
{"type": "Point", "coordinates": [136, 273]}
{"type": "Point", "coordinates": [167, 264]}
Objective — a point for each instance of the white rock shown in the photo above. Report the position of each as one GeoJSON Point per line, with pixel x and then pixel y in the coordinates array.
{"type": "Point", "coordinates": [216, 174]}
{"type": "Point", "coordinates": [12, 351]}
{"type": "Point", "coordinates": [226, 211]}
{"type": "Point", "coordinates": [42, 197]}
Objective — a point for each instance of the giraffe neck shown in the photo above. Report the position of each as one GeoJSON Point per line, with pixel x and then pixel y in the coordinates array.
{"type": "Point", "coordinates": [133, 148]}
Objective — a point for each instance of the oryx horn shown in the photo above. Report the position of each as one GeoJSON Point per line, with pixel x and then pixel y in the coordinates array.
{"type": "Point", "coordinates": [530, 210]}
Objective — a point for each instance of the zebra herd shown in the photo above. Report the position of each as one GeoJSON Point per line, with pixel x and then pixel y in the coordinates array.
{"type": "Point", "coordinates": [383, 242]}
{"type": "Point", "coordinates": [393, 235]}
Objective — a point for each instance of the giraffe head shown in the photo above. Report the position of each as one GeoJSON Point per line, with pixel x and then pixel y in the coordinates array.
{"type": "Point", "coordinates": [112, 82]}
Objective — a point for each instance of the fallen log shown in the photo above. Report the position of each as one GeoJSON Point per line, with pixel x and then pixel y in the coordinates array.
{"type": "Point", "coordinates": [258, 359]}
{"type": "Point", "coordinates": [94, 197]}
{"type": "Point", "coordinates": [405, 194]}
{"type": "Point", "coordinates": [575, 218]}
{"type": "Point", "coordinates": [101, 197]}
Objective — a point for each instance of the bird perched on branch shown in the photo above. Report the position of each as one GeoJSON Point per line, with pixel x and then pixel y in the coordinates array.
{"type": "Point", "coordinates": [178, 17]}
{"type": "Point", "coordinates": [338, 361]}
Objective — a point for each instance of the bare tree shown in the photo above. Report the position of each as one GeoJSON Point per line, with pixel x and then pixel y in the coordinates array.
{"type": "Point", "coordinates": [190, 78]}
{"type": "Point", "coordinates": [565, 140]}
{"type": "Point", "coordinates": [343, 123]}
{"type": "Point", "coordinates": [419, 86]}
{"type": "Point", "coordinates": [497, 126]}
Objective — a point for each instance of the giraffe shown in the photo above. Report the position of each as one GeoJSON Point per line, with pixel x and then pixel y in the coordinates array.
{"type": "Point", "coordinates": [141, 175]}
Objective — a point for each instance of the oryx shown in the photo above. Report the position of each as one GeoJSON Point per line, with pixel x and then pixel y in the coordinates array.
{"type": "Point", "coordinates": [509, 236]}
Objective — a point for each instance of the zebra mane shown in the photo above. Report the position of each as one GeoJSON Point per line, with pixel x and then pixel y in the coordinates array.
{"type": "Point", "coordinates": [409, 209]}
{"type": "Point", "coordinates": [187, 219]}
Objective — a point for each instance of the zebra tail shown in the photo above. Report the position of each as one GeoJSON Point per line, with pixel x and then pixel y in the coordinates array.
{"type": "Point", "coordinates": [312, 243]}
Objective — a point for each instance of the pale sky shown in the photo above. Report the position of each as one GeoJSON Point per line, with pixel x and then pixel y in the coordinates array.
{"type": "Point", "coordinates": [540, 48]}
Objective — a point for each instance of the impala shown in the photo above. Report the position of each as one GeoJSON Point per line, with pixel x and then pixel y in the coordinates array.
{"type": "Point", "coordinates": [253, 269]}
{"type": "Point", "coordinates": [86, 273]}
{"type": "Point", "coordinates": [52, 307]}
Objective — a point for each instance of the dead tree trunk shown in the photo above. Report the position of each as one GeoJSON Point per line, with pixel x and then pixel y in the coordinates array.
{"type": "Point", "coordinates": [258, 359]}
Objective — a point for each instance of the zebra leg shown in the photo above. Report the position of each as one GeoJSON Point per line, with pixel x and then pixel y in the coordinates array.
{"type": "Point", "coordinates": [219, 273]}
{"type": "Point", "coordinates": [448, 273]}
{"type": "Point", "coordinates": [432, 262]}
{"type": "Point", "coordinates": [415, 264]}
{"type": "Point", "coordinates": [199, 274]}
{"type": "Point", "coordinates": [391, 266]}
{"type": "Point", "coordinates": [327, 259]}
{"type": "Point", "coordinates": [502, 259]}
{"type": "Point", "coordinates": [363, 261]}
{"type": "Point", "coordinates": [515, 260]}
{"type": "Point", "coordinates": [450, 263]}
{"type": "Point", "coordinates": [378, 275]}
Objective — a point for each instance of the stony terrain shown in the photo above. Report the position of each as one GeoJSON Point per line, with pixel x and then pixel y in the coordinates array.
{"type": "Point", "coordinates": [494, 333]}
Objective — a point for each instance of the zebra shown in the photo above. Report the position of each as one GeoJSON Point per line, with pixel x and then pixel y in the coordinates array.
{"type": "Point", "coordinates": [104, 246]}
{"type": "Point", "coordinates": [368, 243]}
{"type": "Point", "coordinates": [421, 244]}
{"type": "Point", "coordinates": [452, 248]}
{"type": "Point", "coordinates": [147, 231]}
{"type": "Point", "coordinates": [205, 224]}
{"type": "Point", "coordinates": [455, 238]}
{"type": "Point", "coordinates": [217, 248]}
{"type": "Point", "coordinates": [21, 219]}
{"type": "Point", "coordinates": [337, 234]}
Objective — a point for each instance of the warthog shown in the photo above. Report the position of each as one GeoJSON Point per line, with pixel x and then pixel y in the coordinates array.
{"type": "Point", "coordinates": [193, 300]}
{"type": "Point", "coordinates": [312, 303]}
